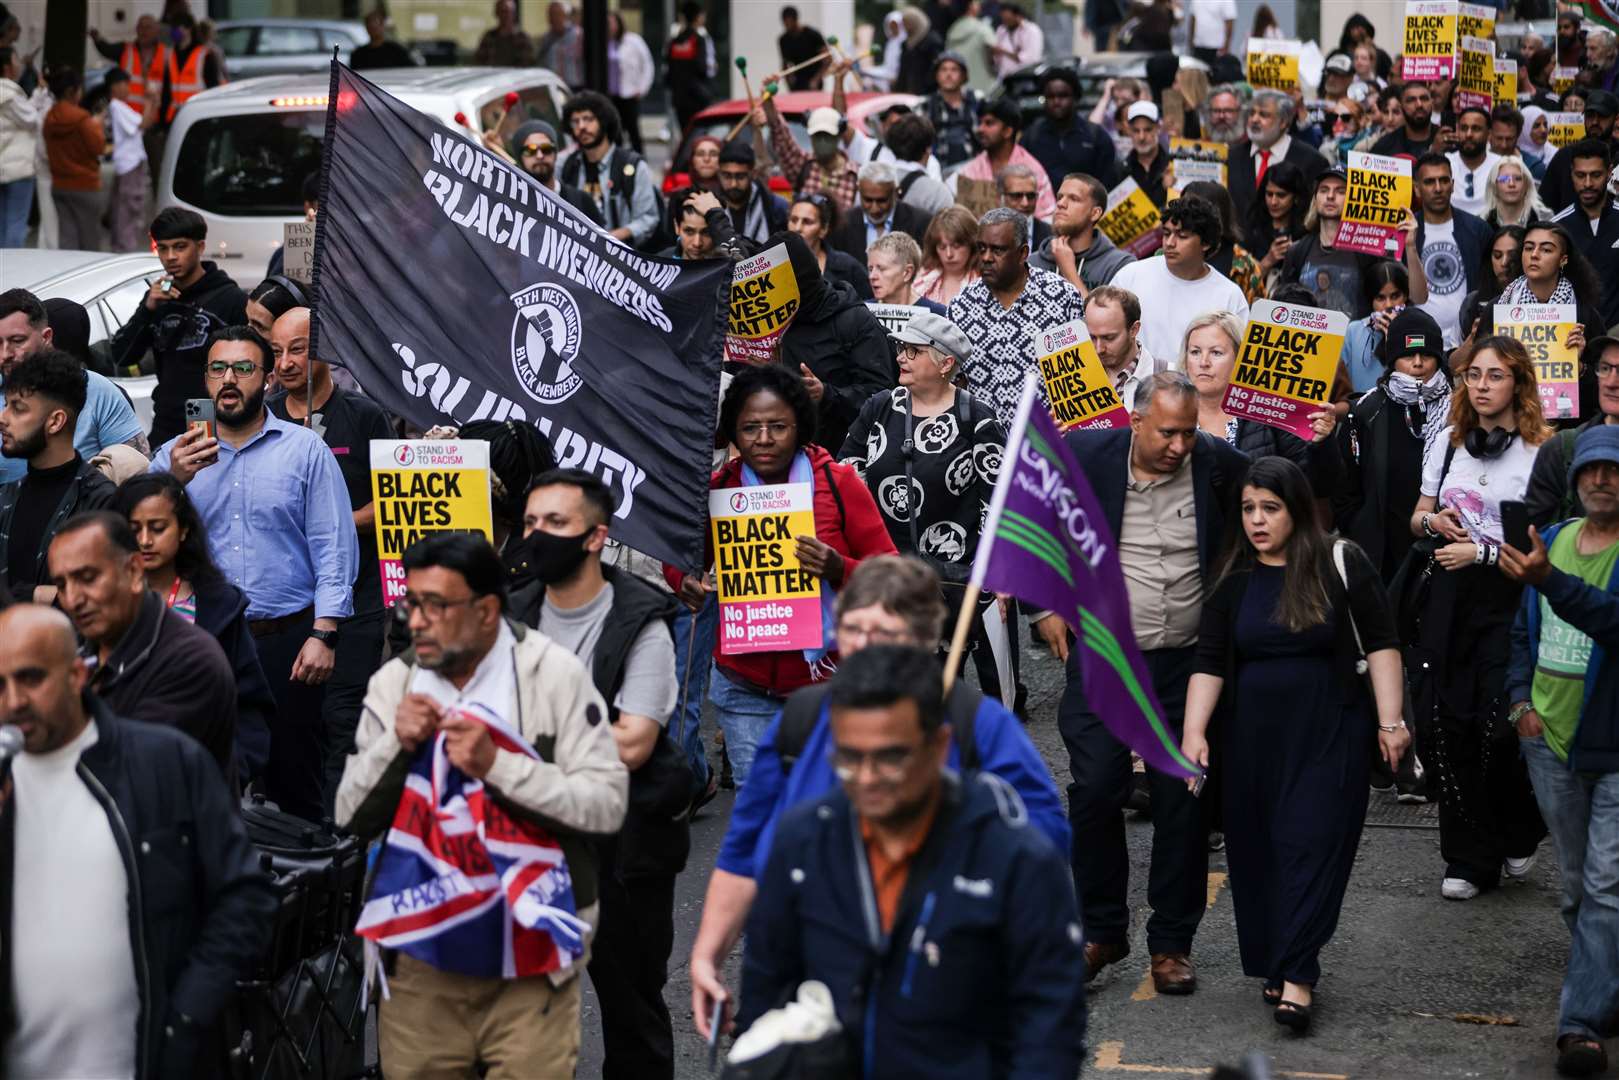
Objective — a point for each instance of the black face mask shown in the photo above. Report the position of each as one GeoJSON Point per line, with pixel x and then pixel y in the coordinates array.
{"type": "Point", "coordinates": [546, 557]}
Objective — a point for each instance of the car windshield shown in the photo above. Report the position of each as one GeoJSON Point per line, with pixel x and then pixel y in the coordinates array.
{"type": "Point", "coordinates": [534, 103]}
{"type": "Point", "coordinates": [251, 165]}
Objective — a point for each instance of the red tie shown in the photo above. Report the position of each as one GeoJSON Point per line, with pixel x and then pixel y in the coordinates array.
{"type": "Point", "coordinates": [1264, 164]}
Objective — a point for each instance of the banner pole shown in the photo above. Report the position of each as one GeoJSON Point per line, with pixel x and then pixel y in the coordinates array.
{"type": "Point", "coordinates": [958, 641]}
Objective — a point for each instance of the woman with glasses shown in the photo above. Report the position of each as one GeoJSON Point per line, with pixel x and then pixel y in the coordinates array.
{"type": "Point", "coordinates": [704, 165]}
{"type": "Point", "coordinates": [1460, 609]}
{"type": "Point", "coordinates": [1276, 219]}
{"type": "Point", "coordinates": [1291, 619]}
{"type": "Point", "coordinates": [892, 262]}
{"type": "Point", "coordinates": [814, 217]}
{"type": "Point", "coordinates": [768, 416]}
{"type": "Point", "coordinates": [949, 255]}
{"type": "Point", "coordinates": [174, 553]}
{"type": "Point", "coordinates": [1510, 195]}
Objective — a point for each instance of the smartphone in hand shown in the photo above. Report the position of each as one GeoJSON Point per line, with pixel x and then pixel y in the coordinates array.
{"type": "Point", "coordinates": [200, 413]}
{"type": "Point", "coordinates": [1515, 524]}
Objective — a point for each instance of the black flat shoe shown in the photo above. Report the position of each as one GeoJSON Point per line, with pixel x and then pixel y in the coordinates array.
{"type": "Point", "coordinates": [1291, 1014]}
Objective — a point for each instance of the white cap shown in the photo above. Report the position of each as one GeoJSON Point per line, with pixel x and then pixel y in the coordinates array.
{"type": "Point", "coordinates": [1140, 109]}
{"type": "Point", "coordinates": [823, 121]}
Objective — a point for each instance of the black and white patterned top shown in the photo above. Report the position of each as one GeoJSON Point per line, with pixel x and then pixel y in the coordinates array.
{"type": "Point", "coordinates": [955, 463]}
{"type": "Point", "coordinates": [1003, 338]}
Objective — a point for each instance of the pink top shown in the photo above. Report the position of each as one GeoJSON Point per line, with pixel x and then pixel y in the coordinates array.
{"type": "Point", "coordinates": [978, 168]}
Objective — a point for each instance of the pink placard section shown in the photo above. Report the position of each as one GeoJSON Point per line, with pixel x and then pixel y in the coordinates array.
{"type": "Point", "coordinates": [770, 625]}
{"type": "Point", "coordinates": [1272, 409]}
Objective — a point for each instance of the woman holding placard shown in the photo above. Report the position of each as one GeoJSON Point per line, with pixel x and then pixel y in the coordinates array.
{"type": "Point", "coordinates": [768, 416]}
{"type": "Point", "coordinates": [1460, 608]}
{"type": "Point", "coordinates": [1299, 618]}
{"type": "Point", "coordinates": [1556, 272]}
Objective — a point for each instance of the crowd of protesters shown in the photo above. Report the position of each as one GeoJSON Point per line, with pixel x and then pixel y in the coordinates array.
{"type": "Point", "coordinates": [222, 582]}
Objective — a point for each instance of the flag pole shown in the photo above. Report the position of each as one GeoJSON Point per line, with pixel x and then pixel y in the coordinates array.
{"type": "Point", "coordinates": [958, 642]}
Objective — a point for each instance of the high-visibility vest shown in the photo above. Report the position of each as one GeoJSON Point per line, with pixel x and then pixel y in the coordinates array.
{"type": "Point", "coordinates": [140, 80]}
{"type": "Point", "coordinates": [185, 82]}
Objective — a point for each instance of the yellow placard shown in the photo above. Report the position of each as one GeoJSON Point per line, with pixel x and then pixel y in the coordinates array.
{"type": "Point", "coordinates": [1506, 80]}
{"type": "Point", "coordinates": [768, 601]}
{"type": "Point", "coordinates": [1475, 85]}
{"type": "Point", "coordinates": [1198, 159]}
{"type": "Point", "coordinates": [1378, 196]}
{"type": "Point", "coordinates": [1079, 391]}
{"type": "Point", "coordinates": [1565, 128]}
{"type": "Point", "coordinates": [755, 557]}
{"type": "Point", "coordinates": [1273, 64]}
{"type": "Point", "coordinates": [1544, 330]}
{"type": "Point", "coordinates": [764, 299]}
{"type": "Point", "coordinates": [1289, 358]}
{"type": "Point", "coordinates": [1430, 40]}
{"type": "Point", "coordinates": [423, 487]}
{"type": "Point", "coordinates": [1475, 20]}
{"type": "Point", "coordinates": [1131, 220]}
{"type": "Point", "coordinates": [1563, 79]}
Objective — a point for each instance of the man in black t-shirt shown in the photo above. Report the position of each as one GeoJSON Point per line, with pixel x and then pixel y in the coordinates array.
{"type": "Point", "coordinates": [379, 52]}
{"type": "Point", "coordinates": [1419, 135]}
{"type": "Point", "coordinates": [346, 422]}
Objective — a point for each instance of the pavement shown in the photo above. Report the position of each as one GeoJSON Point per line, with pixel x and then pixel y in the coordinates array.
{"type": "Point", "coordinates": [1413, 987]}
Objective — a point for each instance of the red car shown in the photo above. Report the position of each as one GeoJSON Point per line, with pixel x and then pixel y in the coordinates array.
{"type": "Point", "coordinates": [718, 120]}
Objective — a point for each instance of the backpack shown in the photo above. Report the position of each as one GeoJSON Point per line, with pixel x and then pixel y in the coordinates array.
{"type": "Point", "coordinates": [906, 184]}
{"type": "Point", "coordinates": [629, 165]}
{"type": "Point", "coordinates": [803, 710]}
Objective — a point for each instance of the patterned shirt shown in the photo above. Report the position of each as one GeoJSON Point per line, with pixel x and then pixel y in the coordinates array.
{"type": "Point", "coordinates": [807, 175]}
{"type": "Point", "coordinates": [1003, 338]}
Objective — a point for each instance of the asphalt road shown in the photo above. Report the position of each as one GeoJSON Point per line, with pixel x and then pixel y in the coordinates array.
{"type": "Point", "coordinates": [1413, 987]}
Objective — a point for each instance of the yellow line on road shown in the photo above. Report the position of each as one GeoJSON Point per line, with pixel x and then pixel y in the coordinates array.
{"type": "Point", "coordinates": [1146, 991]}
{"type": "Point", "coordinates": [1110, 1058]}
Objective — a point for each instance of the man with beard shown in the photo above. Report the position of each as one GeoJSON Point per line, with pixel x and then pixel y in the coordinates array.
{"type": "Point", "coordinates": [44, 396]}
{"type": "Point", "coordinates": [189, 302]}
{"type": "Point", "coordinates": [1592, 218]}
{"type": "Point", "coordinates": [1418, 135]}
{"type": "Point", "coordinates": [1223, 124]}
{"type": "Point", "coordinates": [1083, 256]}
{"type": "Point", "coordinates": [280, 529]}
{"type": "Point", "coordinates": [617, 179]}
{"type": "Point", "coordinates": [952, 109]}
{"type": "Point", "coordinates": [881, 213]}
{"type": "Point", "coordinates": [534, 148]}
{"type": "Point", "coordinates": [1315, 261]}
{"type": "Point", "coordinates": [1451, 243]}
{"type": "Point", "coordinates": [1147, 162]}
{"type": "Point", "coordinates": [974, 183]}
{"type": "Point", "coordinates": [1471, 161]}
{"type": "Point", "coordinates": [1065, 142]}
{"type": "Point", "coordinates": [755, 211]}
{"type": "Point", "coordinates": [1506, 127]}
{"type": "Point", "coordinates": [1270, 120]}
{"type": "Point", "coordinates": [1557, 189]}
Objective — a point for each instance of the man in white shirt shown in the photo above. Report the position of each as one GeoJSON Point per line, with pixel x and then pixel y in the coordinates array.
{"type": "Point", "coordinates": [1181, 284]}
{"type": "Point", "coordinates": [1018, 41]}
{"type": "Point", "coordinates": [1113, 318]}
{"type": "Point", "coordinates": [1451, 243]}
{"type": "Point", "coordinates": [1212, 23]}
{"type": "Point", "coordinates": [1471, 161]}
{"type": "Point", "coordinates": [132, 178]}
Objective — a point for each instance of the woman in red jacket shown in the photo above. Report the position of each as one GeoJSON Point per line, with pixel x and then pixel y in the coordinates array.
{"type": "Point", "coordinates": [769, 416]}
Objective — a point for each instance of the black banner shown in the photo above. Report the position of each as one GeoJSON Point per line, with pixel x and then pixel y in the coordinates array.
{"type": "Point", "coordinates": [455, 288]}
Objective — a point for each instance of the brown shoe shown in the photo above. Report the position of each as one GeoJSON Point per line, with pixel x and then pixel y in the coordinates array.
{"type": "Point", "coordinates": [1099, 956]}
{"type": "Point", "coordinates": [1172, 973]}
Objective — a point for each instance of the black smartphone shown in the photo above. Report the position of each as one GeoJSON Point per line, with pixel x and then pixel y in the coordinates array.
{"type": "Point", "coordinates": [1515, 524]}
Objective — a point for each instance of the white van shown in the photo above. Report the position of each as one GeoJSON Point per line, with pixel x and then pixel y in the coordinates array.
{"type": "Point", "coordinates": [238, 154]}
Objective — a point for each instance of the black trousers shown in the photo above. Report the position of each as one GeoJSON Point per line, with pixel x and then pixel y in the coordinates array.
{"type": "Point", "coordinates": [292, 780]}
{"type": "Point", "coordinates": [359, 654]}
{"type": "Point", "coordinates": [1177, 883]}
{"type": "Point", "coordinates": [629, 111]}
{"type": "Point", "coordinates": [629, 965]}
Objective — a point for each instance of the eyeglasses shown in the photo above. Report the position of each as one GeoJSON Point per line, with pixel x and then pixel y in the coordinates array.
{"type": "Point", "coordinates": [1344, 118]}
{"type": "Point", "coordinates": [243, 368]}
{"type": "Point", "coordinates": [888, 763]}
{"type": "Point", "coordinates": [1468, 178]}
{"type": "Point", "coordinates": [910, 351]}
{"type": "Point", "coordinates": [872, 636]}
{"type": "Point", "coordinates": [1022, 196]}
{"type": "Point", "coordinates": [539, 148]}
{"type": "Point", "coordinates": [778, 429]}
{"type": "Point", "coordinates": [433, 607]}
{"type": "Point", "coordinates": [1495, 376]}
{"type": "Point", "coordinates": [1606, 370]}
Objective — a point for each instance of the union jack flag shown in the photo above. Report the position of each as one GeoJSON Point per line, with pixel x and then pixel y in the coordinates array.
{"type": "Point", "coordinates": [465, 887]}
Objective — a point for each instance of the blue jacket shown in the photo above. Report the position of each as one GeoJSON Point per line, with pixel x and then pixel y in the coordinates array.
{"type": "Point", "coordinates": [981, 974]}
{"type": "Point", "coordinates": [1596, 741]}
{"type": "Point", "coordinates": [1363, 355]}
{"type": "Point", "coordinates": [1003, 749]}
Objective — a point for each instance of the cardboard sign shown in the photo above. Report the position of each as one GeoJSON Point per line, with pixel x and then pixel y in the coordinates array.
{"type": "Point", "coordinates": [1289, 358]}
{"type": "Point", "coordinates": [298, 251]}
{"type": "Point", "coordinates": [894, 316]}
{"type": "Point", "coordinates": [1430, 41]}
{"type": "Point", "coordinates": [1565, 128]}
{"type": "Point", "coordinates": [1506, 79]}
{"type": "Point", "coordinates": [1078, 388]}
{"type": "Point", "coordinates": [1131, 220]}
{"type": "Point", "coordinates": [1196, 159]}
{"type": "Point", "coordinates": [1475, 85]}
{"type": "Point", "coordinates": [768, 601]}
{"type": "Point", "coordinates": [1563, 79]}
{"type": "Point", "coordinates": [1475, 20]}
{"type": "Point", "coordinates": [764, 299]}
{"type": "Point", "coordinates": [1272, 64]}
{"type": "Point", "coordinates": [1377, 200]}
{"type": "Point", "coordinates": [1544, 330]}
{"type": "Point", "coordinates": [421, 488]}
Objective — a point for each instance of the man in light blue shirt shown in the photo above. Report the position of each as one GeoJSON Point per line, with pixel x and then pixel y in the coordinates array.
{"type": "Point", "coordinates": [280, 529]}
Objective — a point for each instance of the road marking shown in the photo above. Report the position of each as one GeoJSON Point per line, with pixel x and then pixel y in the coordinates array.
{"type": "Point", "coordinates": [1146, 991]}
{"type": "Point", "coordinates": [1110, 1058]}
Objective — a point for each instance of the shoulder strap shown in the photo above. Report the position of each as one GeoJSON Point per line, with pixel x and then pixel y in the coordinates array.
{"type": "Point", "coordinates": [905, 185]}
{"type": "Point", "coordinates": [962, 709]}
{"type": "Point", "coordinates": [837, 496]}
{"type": "Point", "coordinates": [798, 717]}
{"type": "Point", "coordinates": [1338, 548]}
{"type": "Point", "coordinates": [1565, 446]}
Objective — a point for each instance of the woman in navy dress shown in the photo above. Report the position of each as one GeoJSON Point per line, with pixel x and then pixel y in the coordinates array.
{"type": "Point", "coordinates": [1278, 648]}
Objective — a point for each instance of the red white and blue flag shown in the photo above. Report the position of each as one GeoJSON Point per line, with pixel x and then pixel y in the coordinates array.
{"type": "Point", "coordinates": [463, 885]}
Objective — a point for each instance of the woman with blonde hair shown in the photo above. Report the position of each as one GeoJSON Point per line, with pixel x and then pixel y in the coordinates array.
{"type": "Point", "coordinates": [1461, 611]}
{"type": "Point", "coordinates": [949, 255]}
{"type": "Point", "coordinates": [892, 262]}
{"type": "Point", "coordinates": [1510, 195]}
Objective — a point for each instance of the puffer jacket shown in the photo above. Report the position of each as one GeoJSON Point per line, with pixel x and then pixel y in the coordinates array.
{"type": "Point", "coordinates": [19, 130]}
{"type": "Point", "coordinates": [74, 143]}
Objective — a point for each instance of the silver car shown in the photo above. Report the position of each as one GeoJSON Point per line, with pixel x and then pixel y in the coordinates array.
{"type": "Point", "coordinates": [285, 46]}
{"type": "Point", "coordinates": [110, 287]}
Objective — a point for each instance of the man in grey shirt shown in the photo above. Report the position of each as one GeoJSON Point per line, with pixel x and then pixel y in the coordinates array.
{"type": "Point", "coordinates": [619, 626]}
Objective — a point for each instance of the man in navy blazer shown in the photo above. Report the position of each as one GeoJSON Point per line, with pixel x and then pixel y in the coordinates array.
{"type": "Point", "coordinates": [1165, 488]}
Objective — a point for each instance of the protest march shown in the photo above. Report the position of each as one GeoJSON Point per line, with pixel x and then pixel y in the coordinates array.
{"type": "Point", "coordinates": [664, 584]}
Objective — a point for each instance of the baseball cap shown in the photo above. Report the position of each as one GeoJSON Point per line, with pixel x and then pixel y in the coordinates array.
{"type": "Point", "coordinates": [928, 328]}
{"type": "Point", "coordinates": [1588, 357]}
{"type": "Point", "coordinates": [824, 120]}
{"type": "Point", "coordinates": [1598, 443]}
{"type": "Point", "coordinates": [1602, 103]}
{"type": "Point", "coordinates": [1337, 171]}
{"type": "Point", "coordinates": [1142, 108]}
{"type": "Point", "coordinates": [1413, 333]}
{"type": "Point", "coordinates": [1340, 63]}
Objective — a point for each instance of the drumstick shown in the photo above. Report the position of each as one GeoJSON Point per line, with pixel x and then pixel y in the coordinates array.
{"type": "Point", "coordinates": [811, 62]}
{"type": "Point", "coordinates": [742, 66]}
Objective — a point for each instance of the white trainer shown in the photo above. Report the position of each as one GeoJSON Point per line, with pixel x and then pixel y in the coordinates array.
{"type": "Point", "coordinates": [1455, 888]}
{"type": "Point", "coordinates": [1518, 868]}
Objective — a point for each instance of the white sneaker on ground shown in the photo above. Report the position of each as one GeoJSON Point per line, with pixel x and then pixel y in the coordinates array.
{"type": "Point", "coordinates": [1518, 868]}
{"type": "Point", "coordinates": [1455, 888]}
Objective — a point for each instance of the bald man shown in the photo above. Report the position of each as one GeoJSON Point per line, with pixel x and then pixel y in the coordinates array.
{"type": "Point", "coordinates": [347, 422]}
{"type": "Point", "coordinates": [144, 901]}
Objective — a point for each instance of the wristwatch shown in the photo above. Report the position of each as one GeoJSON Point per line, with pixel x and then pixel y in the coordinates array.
{"type": "Point", "coordinates": [327, 638]}
{"type": "Point", "coordinates": [1518, 711]}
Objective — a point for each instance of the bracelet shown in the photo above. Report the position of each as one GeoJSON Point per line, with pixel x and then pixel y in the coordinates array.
{"type": "Point", "coordinates": [1478, 554]}
{"type": "Point", "coordinates": [1519, 711]}
{"type": "Point", "coordinates": [1390, 727]}
{"type": "Point", "coordinates": [1426, 526]}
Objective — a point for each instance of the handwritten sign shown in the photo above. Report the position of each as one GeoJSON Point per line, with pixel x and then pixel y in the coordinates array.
{"type": "Point", "coordinates": [298, 251]}
{"type": "Point", "coordinates": [1131, 220]}
{"type": "Point", "coordinates": [422, 488]}
{"type": "Point", "coordinates": [1506, 79]}
{"type": "Point", "coordinates": [764, 299]}
{"type": "Point", "coordinates": [768, 601]}
{"type": "Point", "coordinates": [1565, 128]}
{"type": "Point", "coordinates": [1475, 86]}
{"type": "Point", "coordinates": [1475, 20]}
{"type": "Point", "coordinates": [1197, 159]}
{"type": "Point", "coordinates": [1544, 330]}
{"type": "Point", "coordinates": [1430, 40]}
{"type": "Point", "coordinates": [1378, 197]}
{"type": "Point", "coordinates": [1078, 388]}
{"type": "Point", "coordinates": [1273, 64]}
{"type": "Point", "coordinates": [1289, 358]}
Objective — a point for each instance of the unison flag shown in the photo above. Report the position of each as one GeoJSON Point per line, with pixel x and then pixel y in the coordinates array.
{"type": "Point", "coordinates": [1046, 542]}
{"type": "Point", "coordinates": [456, 288]}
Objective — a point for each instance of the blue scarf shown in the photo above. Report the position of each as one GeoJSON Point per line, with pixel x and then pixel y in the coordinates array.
{"type": "Point", "coordinates": [802, 473]}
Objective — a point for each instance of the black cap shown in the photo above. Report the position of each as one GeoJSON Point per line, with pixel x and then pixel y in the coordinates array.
{"type": "Point", "coordinates": [1588, 356]}
{"type": "Point", "coordinates": [1602, 103]}
{"type": "Point", "coordinates": [737, 152]}
{"type": "Point", "coordinates": [1334, 171]}
{"type": "Point", "coordinates": [1413, 333]}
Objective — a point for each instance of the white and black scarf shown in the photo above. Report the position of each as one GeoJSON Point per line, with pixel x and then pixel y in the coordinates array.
{"type": "Point", "coordinates": [1431, 397]}
{"type": "Point", "coordinates": [1519, 292]}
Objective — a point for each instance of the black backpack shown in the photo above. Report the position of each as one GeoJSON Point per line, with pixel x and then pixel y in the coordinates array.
{"type": "Point", "coordinates": [629, 165]}
{"type": "Point", "coordinates": [803, 710]}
